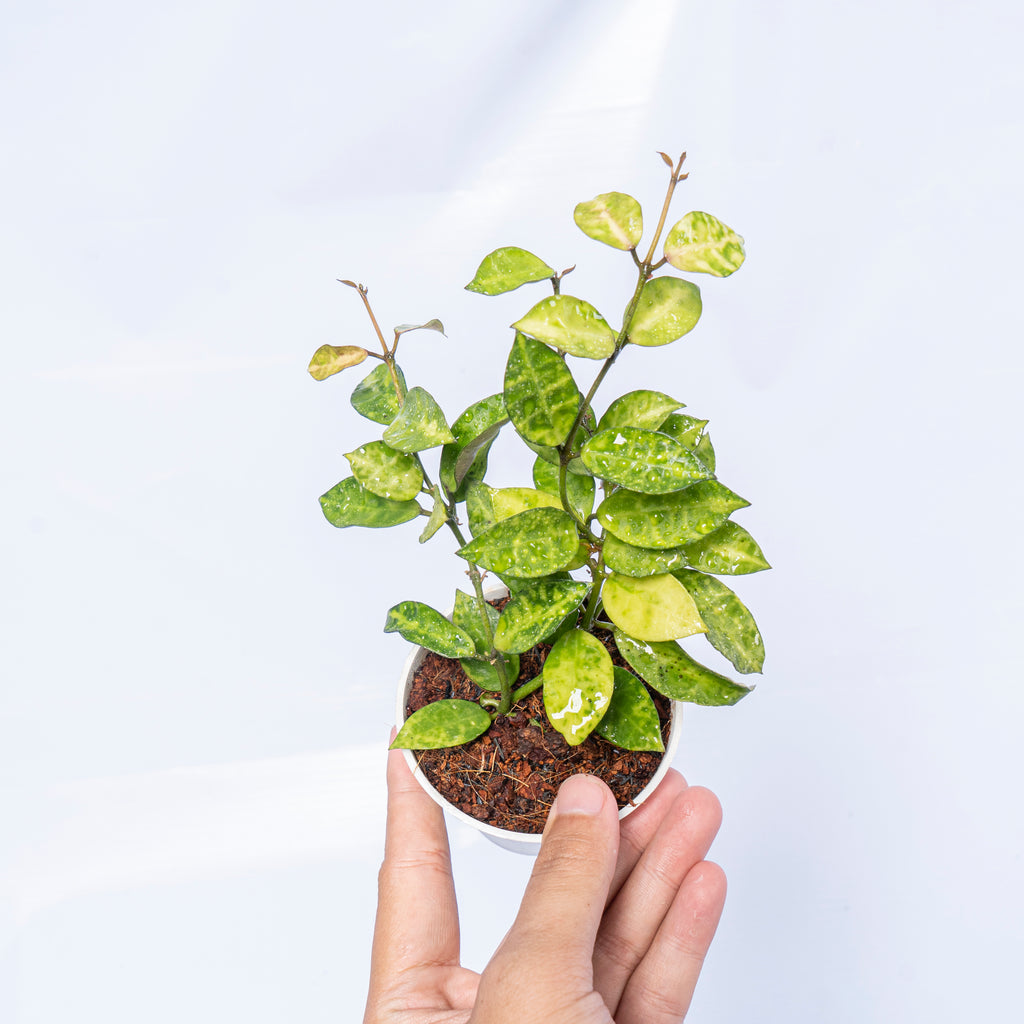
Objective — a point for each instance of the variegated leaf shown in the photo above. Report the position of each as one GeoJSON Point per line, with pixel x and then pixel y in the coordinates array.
{"type": "Point", "coordinates": [350, 504]}
{"type": "Point", "coordinates": [613, 218]}
{"type": "Point", "coordinates": [647, 409]}
{"type": "Point", "coordinates": [419, 425]}
{"type": "Point", "coordinates": [445, 723]}
{"type": "Point", "coordinates": [727, 551]}
{"type": "Point", "coordinates": [569, 324]}
{"type": "Point", "coordinates": [540, 395]}
{"type": "Point", "coordinates": [536, 611]}
{"type": "Point", "coordinates": [331, 359]}
{"type": "Point", "coordinates": [631, 720]}
{"type": "Point", "coordinates": [531, 544]}
{"type": "Point", "coordinates": [667, 668]}
{"type": "Point", "coordinates": [386, 472]}
{"type": "Point", "coordinates": [506, 269]}
{"type": "Point", "coordinates": [474, 432]}
{"type": "Point", "coordinates": [668, 308]}
{"type": "Point", "coordinates": [687, 430]}
{"type": "Point", "coordinates": [702, 244]}
{"type": "Point", "coordinates": [375, 396]}
{"type": "Point", "coordinates": [420, 624]}
{"type": "Point", "coordinates": [438, 515]}
{"type": "Point", "coordinates": [633, 561]}
{"type": "Point", "coordinates": [578, 684]}
{"type": "Point", "coordinates": [731, 628]}
{"type": "Point", "coordinates": [430, 325]}
{"type": "Point", "coordinates": [466, 615]}
{"type": "Point", "coordinates": [579, 489]}
{"type": "Point", "coordinates": [641, 460]}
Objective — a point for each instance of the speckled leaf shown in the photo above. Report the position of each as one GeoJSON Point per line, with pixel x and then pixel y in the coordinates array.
{"type": "Point", "coordinates": [641, 460]}
{"type": "Point", "coordinates": [700, 243]}
{"type": "Point", "coordinates": [667, 668]}
{"type": "Point", "coordinates": [466, 615]}
{"type": "Point", "coordinates": [578, 684]}
{"type": "Point", "coordinates": [651, 608]}
{"type": "Point", "coordinates": [569, 324]}
{"type": "Point", "coordinates": [540, 395]}
{"type": "Point", "coordinates": [579, 489]}
{"type": "Point", "coordinates": [474, 432]}
{"type": "Point", "coordinates": [647, 409]}
{"type": "Point", "coordinates": [430, 325]}
{"type": "Point", "coordinates": [331, 359]}
{"type": "Point", "coordinates": [631, 721]}
{"type": "Point", "coordinates": [384, 471]}
{"type": "Point", "coordinates": [479, 510]}
{"type": "Point", "coordinates": [419, 425]}
{"type": "Point", "coordinates": [375, 396]}
{"type": "Point", "coordinates": [668, 520]}
{"type": "Point", "coordinates": [633, 561]}
{"type": "Point", "coordinates": [668, 309]}
{"type": "Point", "coordinates": [613, 218]}
{"type": "Point", "coordinates": [506, 269]}
{"type": "Point", "coordinates": [445, 723]}
{"type": "Point", "coordinates": [350, 504]}
{"type": "Point", "coordinates": [420, 624]}
{"type": "Point", "coordinates": [530, 544]}
{"type": "Point", "coordinates": [727, 551]}
{"type": "Point", "coordinates": [687, 430]}
{"type": "Point", "coordinates": [510, 501]}
{"type": "Point", "coordinates": [731, 628]}
{"type": "Point", "coordinates": [438, 516]}
{"type": "Point", "coordinates": [535, 612]}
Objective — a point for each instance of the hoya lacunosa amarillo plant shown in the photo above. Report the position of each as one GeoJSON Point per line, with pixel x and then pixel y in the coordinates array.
{"type": "Point", "coordinates": [625, 525]}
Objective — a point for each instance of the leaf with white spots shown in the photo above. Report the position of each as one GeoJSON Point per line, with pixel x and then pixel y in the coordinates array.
{"type": "Point", "coordinates": [579, 489]}
{"type": "Point", "coordinates": [641, 460]}
{"type": "Point", "coordinates": [536, 611]}
{"type": "Point", "coordinates": [702, 244]}
{"type": "Point", "coordinates": [731, 628]}
{"type": "Point", "coordinates": [420, 624]}
{"type": "Point", "coordinates": [646, 409]}
{"type": "Point", "coordinates": [349, 503]}
{"type": "Point", "coordinates": [375, 396]}
{"type": "Point", "coordinates": [445, 723]}
{"type": "Point", "coordinates": [631, 720]}
{"type": "Point", "coordinates": [613, 218]}
{"type": "Point", "coordinates": [464, 460]}
{"type": "Point", "coordinates": [541, 396]}
{"type": "Point", "coordinates": [385, 471]}
{"type": "Point", "coordinates": [419, 425]}
{"type": "Point", "coordinates": [727, 551]}
{"type": "Point", "coordinates": [438, 515]}
{"type": "Point", "coordinates": [531, 544]}
{"type": "Point", "coordinates": [506, 269]}
{"type": "Point", "coordinates": [633, 561]}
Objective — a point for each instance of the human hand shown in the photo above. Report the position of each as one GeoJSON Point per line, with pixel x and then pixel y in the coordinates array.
{"type": "Point", "coordinates": [613, 927]}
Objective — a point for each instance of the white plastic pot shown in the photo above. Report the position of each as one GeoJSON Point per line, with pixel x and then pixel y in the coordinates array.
{"type": "Point", "coordinates": [518, 842]}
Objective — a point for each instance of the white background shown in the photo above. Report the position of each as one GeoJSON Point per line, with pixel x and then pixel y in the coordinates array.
{"type": "Point", "coordinates": [194, 674]}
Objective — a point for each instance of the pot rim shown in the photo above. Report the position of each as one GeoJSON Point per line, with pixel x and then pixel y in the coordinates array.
{"type": "Point", "coordinates": [521, 842]}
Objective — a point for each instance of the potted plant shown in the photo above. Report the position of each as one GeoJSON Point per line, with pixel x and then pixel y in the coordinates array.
{"type": "Point", "coordinates": [608, 556]}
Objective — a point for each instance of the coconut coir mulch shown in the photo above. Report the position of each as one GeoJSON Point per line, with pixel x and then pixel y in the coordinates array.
{"type": "Point", "coordinates": [509, 776]}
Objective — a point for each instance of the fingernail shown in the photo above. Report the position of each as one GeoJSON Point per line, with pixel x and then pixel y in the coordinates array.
{"type": "Point", "coordinates": [580, 794]}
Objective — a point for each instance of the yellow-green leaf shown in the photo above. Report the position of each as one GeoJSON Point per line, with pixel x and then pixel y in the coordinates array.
{"type": "Point", "coordinates": [350, 504]}
{"type": "Point", "coordinates": [702, 244]}
{"type": "Point", "coordinates": [578, 684]}
{"type": "Point", "coordinates": [569, 324]}
{"type": "Point", "coordinates": [506, 269]}
{"type": "Point", "coordinates": [331, 359]}
{"type": "Point", "coordinates": [633, 561]}
{"type": "Point", "coordinates": [445, 723]}
{"type": "Point", "coordinates": [652, 607]}
{"type": "Point", "coordinates": [438, 516]}
{"type": "Point", "coordinates": [531, 544]}
{"type": "Point", "coordinates": [727, 551]}
{"type": "Point", "coordinates": [613, 218]}
{"type": "Point", "coordinates": [541, 397]}
{"type": "Point", "coordinates": [535, 611]}
{"type": "Point", "coordinates": [386, 472]}
{"type": "Point", "coordinates": [668, 308]}
{"type": "Point", "coordinates": [631, 720]}
{"type": "Point", "coordinates": [579, 489]}
{"type": "Point", "coordinates": [419, 425]}
{"type": "Point", "coordinates": [730, 626]}
{"type": "Point", "coordinates": [647, 409]}
{"type": "Point", "coordinates": [375, 396]}
{"type": "Point", "coordinates": [641, 460]}
{"type": "Point", "coordinates": [420, 624]}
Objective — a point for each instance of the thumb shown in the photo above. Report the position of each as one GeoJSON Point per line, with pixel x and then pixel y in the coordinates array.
{"type": "Point", "coordinates": [551, 943]}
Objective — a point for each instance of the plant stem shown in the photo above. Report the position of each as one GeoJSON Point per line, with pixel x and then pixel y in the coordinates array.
{"type": "Point", "coordinates": [527, 688]}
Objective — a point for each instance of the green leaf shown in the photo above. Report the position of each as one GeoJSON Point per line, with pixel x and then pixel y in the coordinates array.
{"type": "Point", "coordinates": [633, 561]}
{"type": "Point", "coordinates": [667, 668]}
{"type": "Point", "coordinates": [506, 269]}
{"type": "Point", "coordinates": [646, 409]}
{"type": "Point", "coordinates": [479, 509]}
{"type": "Point", "coordinates": [540, 395]}
{"type": "Point", "coordinates": [445, 723]}
{"type": "Point", "coordinates": [420, 424]}
{"type": "Point", "coordinates": [569, 324]}
{"type": "Point", "coordinates": [668, 520]}
{"type": "Point", "coordinates": [536, 612]}
{"type": "Point", "coordinates": [420, 624]}
{"type": "Point", "coordinates": [652, 608]}
{"type": "Point", "coordinates": [641, 460]}
{"type": "Point", "coordinates": [375, 396]}
{"type": "Point", "coordinates": [510, 501]}
{"type": "Point", "coordinates": [430, 325]}
{"type": "Point", "coordinates": [702, 244]}
{"type": "Point", "coordinates": [438, 516]}
{"type": "Point", "coordinates": [474, 432]}
{"type": "Point", "coordinates": [631, 721]}
{"type": "Point", "coordinates": [668, 309]}
{"type": "Point", "coordinates": [386, 472]}
{"type": "Point", "coordinates": [466, 615]}
{"type": "Point", "coordinates": [331, 359]}
{"type": "Point", "coordinates": [727, 551]}
{"type": "Point", "coordinates": [578, 684]}
{"type": "Point", "coordinates": [613, 218]}
{"type": "Point", "coordinates": [530, 544]}
{"type": "Point", "coordinates": [551, 456]}
{"type": "Point", "coordinates": [687, 430]}
{"type": "Point", "coordinates": [579, 489]}
{"type": "Point", "coordinates": [731, 628]}
{"type": "Point", "coordinates": [350, 504]}
{"type": "Point", "coordinates": [705, 452]}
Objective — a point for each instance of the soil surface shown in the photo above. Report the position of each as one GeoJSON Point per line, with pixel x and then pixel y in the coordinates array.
{"type": "Point", "coordinates": [509, 776]}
